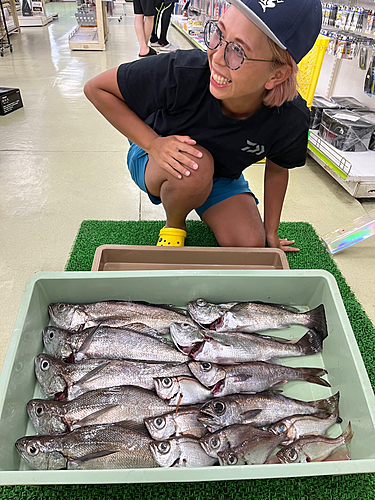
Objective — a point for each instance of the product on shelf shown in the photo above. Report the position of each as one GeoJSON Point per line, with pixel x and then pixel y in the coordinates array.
{"type": "Point", "coordinates": [318, 106]}
{"type": "Point", "coordinates": [346, 130]}
{"type": "Point", "coordinates": [349, 103]}
{"type": "Point", "coordinates": [370, 117]}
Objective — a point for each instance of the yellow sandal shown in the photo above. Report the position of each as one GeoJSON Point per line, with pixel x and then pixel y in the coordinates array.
{"type": "Point", "coordinates": [172, 237]}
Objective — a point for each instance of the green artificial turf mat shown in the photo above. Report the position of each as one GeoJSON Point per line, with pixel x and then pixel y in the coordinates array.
{"type": "Point", "coordinates": [312, 255]}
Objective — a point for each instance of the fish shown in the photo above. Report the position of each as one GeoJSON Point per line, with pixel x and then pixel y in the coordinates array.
{"type": "Point", "coordinates": [254, 450]}
{"type": "Point", "coordinates": [182, 422]}
{"type": "Point", "coordinates": [114, 404]}
{"type": "Point", "coordinates": [110, 343]}
{"type": "Point", "coordinates": [184, 451]}
{"type": "Point", "coordinates": [227, 437]}
{"type": "Point", "coordinates": [110, 446]}
{"type": "Point", "coordinates": [251, 377]}
{"type": "Point", "coordinates": [259, 316]}
{"type": "Point", "coordinates": [313, 448]}
{"type": "Point", "coordinates": [298, 426]}
{"type": "Point", "coordinates": [66, 381]}
{"type": "Point", "coordinates": [76, 317]}
{"type": "Point", "coordinates": [261, 409]}
{"type": "Point", "coordinates": [232, 348]}
{"type": "Point", "coordinates": [205, 313]}
{"type": "Point", "coordinates": [55, 376]}
{"type": "Point", "coordinates": [181, 390]}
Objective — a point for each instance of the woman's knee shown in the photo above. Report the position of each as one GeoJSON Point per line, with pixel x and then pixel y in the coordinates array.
{"type": "Point", "coordinates": [254, 239]}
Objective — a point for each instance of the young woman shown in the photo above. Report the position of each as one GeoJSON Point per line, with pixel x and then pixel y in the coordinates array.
{"type": "Point", "coordinates": [196, 120]}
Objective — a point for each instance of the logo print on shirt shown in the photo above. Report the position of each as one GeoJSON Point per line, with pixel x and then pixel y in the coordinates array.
{"type": "Point", "coordinates": [254, 148]}
{"type": "Point", "coordinates": [269, 4]}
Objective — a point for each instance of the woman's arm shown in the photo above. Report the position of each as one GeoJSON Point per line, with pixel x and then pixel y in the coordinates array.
{"type": "Point", "coordinates": [104, 94]}
{"type": "Point", "coordinates": [275, 185]}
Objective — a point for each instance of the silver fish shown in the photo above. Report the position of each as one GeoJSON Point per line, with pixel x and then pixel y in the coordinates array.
{"type": "Point", "coordinates": [250, 378]}
{"type": "Point", "coordinates": [231, 348]}
{"type": "Point", "coordinates": [55, 376]}
{"type": "Point", "coordinates": [227, 437]}
{"type": "Point", "coordinates": [132, 342]}
{"type": "Point", "coordinates": [110, 446]}
{"type": "Point", "coordinates": [253, 450]}
{"type": "Point", "coordinates": [261, 409]}
{"type": "Point", "coordinates": [258, 316]}
{"type": "Point", "coordinates": [313, 448]}
{"type": "Point", "coordinates": [114, 404]}
{"type": "Point", "coordinates": [181, 390]}
{"type": "Point", "coordinates": [177, 423]}
{"type": "Point", "coordinates": [183, 451]}
{"type": "Point", "coordinates": [66, 381]}
{"type": "Point", "coordinates": [116, 313]}
{"type": "Point", "coordinates": [298, 426]}
{"type": "Point", "coordinates": [205, 313]}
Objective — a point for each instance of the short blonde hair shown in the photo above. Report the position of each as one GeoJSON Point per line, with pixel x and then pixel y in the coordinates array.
{"type": "Point", "coordinates": [287, 90]}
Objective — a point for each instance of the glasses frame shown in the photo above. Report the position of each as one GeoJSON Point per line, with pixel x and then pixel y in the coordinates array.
{"type": "Point", "coordinates": [228, 44]}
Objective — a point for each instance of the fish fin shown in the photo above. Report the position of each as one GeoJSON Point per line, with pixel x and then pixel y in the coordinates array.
{"type": "Point", "coordinates": [317, 320]}
{"type": "Point", "coordinates": [92, 374]}
{"type": "Point", "coordinates": [248, 416]}
{"type": "Point", "coordinates": [313, 375]}
{"type": "Point", "coordinates": [279, 306]}
{"type": "Point", "coordinates": [87, 342]}
{"type": "Point", "coordinates": [91, 456]}
{"type": "Point", "coordinates": [348, 433]}
{"type": "Point", "coordinates": [311, 342]}
{"type": "Point", "coordinates": [328, 405]}
{"type": "Point", "coordinates": [168, 307]}
{"type": "Point", "coordinates": [93, 416]}
{"type": "Point", "coordinates": [134, 426]}
{"type": "Point", "coordinates": [150, 332]}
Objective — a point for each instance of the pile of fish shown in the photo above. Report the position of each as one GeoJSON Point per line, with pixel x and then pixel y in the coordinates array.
{"type": "Point", "coordinates": [135, 385]}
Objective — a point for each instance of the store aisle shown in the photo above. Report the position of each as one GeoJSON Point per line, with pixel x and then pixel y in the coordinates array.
{"type": "Point", "coordinates": [61, 163]}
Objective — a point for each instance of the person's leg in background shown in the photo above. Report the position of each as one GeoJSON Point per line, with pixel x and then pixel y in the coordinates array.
{"type": "Point", "coordinates": [163, 15]}
{"type": "Point", "coordinates": [144, 12]}
{"type": "Point", "coordinates": [159, 5]}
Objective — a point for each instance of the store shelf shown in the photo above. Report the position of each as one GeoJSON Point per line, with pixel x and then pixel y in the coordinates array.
{"type": "Point", "coordinates": [12, 21]}
{"type": "Point", "coordinates": [180, 23]}
{"type": "Point", "coordinates": [353, 171]}
{"type": "Point", "coordinates": [27, 21]}
{"type": "Point", "coordinates": [91, 38]}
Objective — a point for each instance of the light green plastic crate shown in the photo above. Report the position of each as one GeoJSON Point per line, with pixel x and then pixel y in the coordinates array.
{"type": "Point", "coordinates": [341, 357]}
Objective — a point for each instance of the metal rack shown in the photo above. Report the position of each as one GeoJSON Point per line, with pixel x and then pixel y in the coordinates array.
{"type": "Point", "coordinates": [4, 39]}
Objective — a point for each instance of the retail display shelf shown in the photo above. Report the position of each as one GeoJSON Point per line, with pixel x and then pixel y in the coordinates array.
{"type": "Point", "coordinates": [181, 24]}
{"type": "Point", "coordinates": [353, 171]}
{"type": "Point", "coordinates": [26, 21]}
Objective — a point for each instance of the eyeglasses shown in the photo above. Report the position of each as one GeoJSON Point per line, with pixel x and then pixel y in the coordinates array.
{"type": "Point", "coordinates": [234, 55]}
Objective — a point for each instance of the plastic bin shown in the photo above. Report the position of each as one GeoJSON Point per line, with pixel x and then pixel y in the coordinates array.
{"type": "Point", "coordinates": [340, 356]}
{"type": "Point", "coordinates": [133, 257]}
{"type": "Point", "coordinates": [309, 69]}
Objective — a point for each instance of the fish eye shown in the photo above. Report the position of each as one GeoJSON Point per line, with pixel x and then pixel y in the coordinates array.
{"type": "Point", "coordinates": [51, 335]}
{"type": "Point", "coordinates": [185, 325]}
{"type": "Point", "coordinates": [39, 410]}
{"type": "Point", "coordinates": [292, 454]}
{"type": "Point", "coordinates": [159, 422]}
{"type": "Point", "coordinates": [201, 303]}
{"type": "Point", "coordinates": [32, 449]}
{"type": "Point", "coordinates": [61, 306]}
{"type": "Point", "coordinates": [206, 366]}
{"type": "Point", "coordinates": [45, 365]}
{"type": "Point", "coordinates": [232, 459]}
{"type": "Point", "coordinates": [281, 428]}
{"type": "Point", "coordinates": [215, 443]}
{"type": "Point", "coordinates": [219, 407]}
{"type": "Point", "coordinates": [166, 382]}
{"type": "Point", "coordinates": [164, 447]}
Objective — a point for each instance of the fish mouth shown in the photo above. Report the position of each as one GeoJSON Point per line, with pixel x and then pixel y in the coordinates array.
{"type": "Point", "coordinates": [218, 322]}
{"type": "Point", "coordinates": [217, 388]}
{"type": "Point", "coordinates": [196, 349]}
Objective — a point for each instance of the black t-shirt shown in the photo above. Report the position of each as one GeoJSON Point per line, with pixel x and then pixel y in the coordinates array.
{"type": "Point", "coordinates": [171, 94]}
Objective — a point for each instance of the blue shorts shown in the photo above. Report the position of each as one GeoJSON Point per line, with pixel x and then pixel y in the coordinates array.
{"type": "Point", "coordinates": [222, 189]}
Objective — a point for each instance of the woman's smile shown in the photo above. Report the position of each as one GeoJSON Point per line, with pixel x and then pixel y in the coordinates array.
{"type": "Point", "coordinates": [218, 80]}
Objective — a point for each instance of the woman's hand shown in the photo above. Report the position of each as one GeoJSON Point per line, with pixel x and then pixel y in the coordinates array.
{"type": "Point", "coordinates": [174, 154]}
{"type": "Point", "coordinates": [274, 241]}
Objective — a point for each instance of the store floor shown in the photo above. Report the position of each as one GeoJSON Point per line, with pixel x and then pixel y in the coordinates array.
{"type": "Point", "coordinates": [62, 163]}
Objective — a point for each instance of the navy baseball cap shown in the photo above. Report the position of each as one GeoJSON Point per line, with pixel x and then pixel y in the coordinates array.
{"type": "Point", "coordinates": [293, 25]}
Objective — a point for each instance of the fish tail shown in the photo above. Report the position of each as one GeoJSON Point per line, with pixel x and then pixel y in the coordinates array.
{"type": "Point", "coordinates": [348, 433]}
{"type": "Point", "coordinates": [311, 342]}
{"type": "Point", "coordinates": [313, 375]}
{"type": "Point", "coordinates": [317, 320]}
{"type": "Point", "coordinates": [328, 405]}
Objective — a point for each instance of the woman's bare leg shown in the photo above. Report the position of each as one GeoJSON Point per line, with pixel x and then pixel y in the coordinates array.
{"type": "Point", "coordinates": [236, 222]}
{"type": "Point", "coordinates": [139, 26]}
{"type": "Point", "coordinates": [181, 196]}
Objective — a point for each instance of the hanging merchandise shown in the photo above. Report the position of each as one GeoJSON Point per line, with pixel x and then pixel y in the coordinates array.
{"type": "Point", "coordinates": [363, 58]}
{"type": "Point", "coordinates": [370, 26]}
{"type": "Point", "coordinates": [369, 86]}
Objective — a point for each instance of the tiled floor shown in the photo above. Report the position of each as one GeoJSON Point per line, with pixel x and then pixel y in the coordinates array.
{"type": "Point", "coordinates": [61, 163]}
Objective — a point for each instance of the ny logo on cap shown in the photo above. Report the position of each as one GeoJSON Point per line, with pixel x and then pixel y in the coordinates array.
{"type": "Point", "coordinates": [269, 4]}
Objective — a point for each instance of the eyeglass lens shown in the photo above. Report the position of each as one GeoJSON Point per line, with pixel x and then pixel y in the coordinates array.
{"type": "Point", "coordinates": [233, 54]}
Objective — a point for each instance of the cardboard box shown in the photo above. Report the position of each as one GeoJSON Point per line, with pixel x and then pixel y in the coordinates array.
{"type": "Point", "coordinates": [10, 100]}
{"type": "Point", "coordinates": [303, 288]}
{"type": "Point", "coordinates": [132, 257]}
